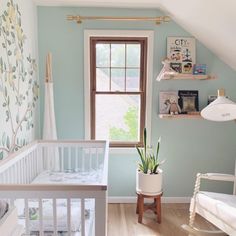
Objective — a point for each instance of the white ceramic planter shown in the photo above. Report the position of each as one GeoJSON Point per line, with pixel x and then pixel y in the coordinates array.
{"type": "Point", "coordinates": [149, 184]}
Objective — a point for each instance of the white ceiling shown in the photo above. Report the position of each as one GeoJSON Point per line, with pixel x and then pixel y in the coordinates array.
{"type": "Point", "coordinates": [213, 22]}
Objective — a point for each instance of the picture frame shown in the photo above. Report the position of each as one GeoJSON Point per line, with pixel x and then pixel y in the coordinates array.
{"type": "Point", "coordinates": [188, 101]}
{"type": "Point", "coordinates": [182, 53]}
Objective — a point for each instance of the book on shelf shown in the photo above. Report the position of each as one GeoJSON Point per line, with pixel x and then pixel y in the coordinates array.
{"type": "Point", "coordinates": [182, 53]}
{"type": "Point", "coordinates": [199, 69]}
{"type": "Point", "coordinates": [188, 101]}
{"type": "Point", "coordinates": [166, 98]}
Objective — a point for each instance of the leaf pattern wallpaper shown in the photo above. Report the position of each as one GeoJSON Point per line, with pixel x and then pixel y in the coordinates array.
{"type": "Point", "coordinates": [19, 89]}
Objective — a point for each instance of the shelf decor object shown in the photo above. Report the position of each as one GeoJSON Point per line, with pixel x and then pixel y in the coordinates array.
{"type": "Point", "coordinates": [221, 109]}
{"type": "Point", "coordinates": [166, 70]}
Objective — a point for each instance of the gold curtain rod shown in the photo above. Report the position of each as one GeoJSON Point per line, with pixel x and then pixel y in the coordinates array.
{"type": "Point", "coordinates": [158, 20]}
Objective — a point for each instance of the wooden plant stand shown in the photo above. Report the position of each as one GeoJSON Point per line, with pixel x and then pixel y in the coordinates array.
{"type": "Point", "coordinates": [155, 206]}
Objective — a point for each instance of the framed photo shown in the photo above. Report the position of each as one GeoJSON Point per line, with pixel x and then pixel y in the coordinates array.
{"type": "Point", "coordinates": [182, 53]}
{"type": "Point", "coordinates": [165, 100]}
{"type": "Point", "coordinates": [188, 101]}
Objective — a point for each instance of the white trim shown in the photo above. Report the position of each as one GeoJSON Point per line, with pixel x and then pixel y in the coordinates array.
{"type": "Point", "coordinates": [117, 33]}
{"type": "Point", "coordinates": [96, 3]}
{"type": "Point", "coordinates": [163, 199]}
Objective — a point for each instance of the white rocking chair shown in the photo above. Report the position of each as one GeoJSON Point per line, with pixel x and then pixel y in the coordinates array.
{"type": "Point", "coordinates": [217, 208]}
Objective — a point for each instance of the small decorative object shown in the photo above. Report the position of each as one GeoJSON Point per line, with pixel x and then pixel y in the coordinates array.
{"type": "Point", "coordinates": [211, 98]}
{"type": "Point", "coordinates": [188, 101]}
{"type": "Point", "coordinates": [168, 102]}
{"type": "Point", "coordinates": [182, 54]}
{"type": "Point", "coordinates": [149, 175]}
{"type": "Point", "coordinates": [166, 70]}
{"type": "Point", "coordinates": [199, 69]}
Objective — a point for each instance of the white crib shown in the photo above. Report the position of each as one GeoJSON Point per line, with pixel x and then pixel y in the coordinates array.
{"type": "Point", "coordinates": [61, 182]}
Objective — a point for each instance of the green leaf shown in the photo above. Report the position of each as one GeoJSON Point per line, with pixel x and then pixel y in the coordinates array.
{"type": "Point", "coordinates": [4, 138]}
{"type": "Point", "coordinates": [13, 35]}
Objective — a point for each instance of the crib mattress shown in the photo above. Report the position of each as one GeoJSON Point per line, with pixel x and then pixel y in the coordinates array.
{"type": "Point", "coordinates": [91, 177]}
{"type": "Point", "coordinates": [223, 206]}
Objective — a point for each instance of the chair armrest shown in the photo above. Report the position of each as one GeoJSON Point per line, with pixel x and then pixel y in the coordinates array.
{"type": "Point", "coordinates": [218, 176]}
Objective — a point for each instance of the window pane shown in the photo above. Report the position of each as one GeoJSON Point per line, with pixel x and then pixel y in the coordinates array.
{"type": "Point", "coordinates": [118, 55]}
{"type": "Point", "coordinates": [117, 117]}
{"type": "Point", "coordinates": [132, 79]}
{"type": "Point", "coordinates": [103, 79]}
{"type": "Point", "coordinates": [117, 79]}
{"type": "Point", "coordinates": [102, 55]}
{"type": "Point", "coordinates": [133, 55]}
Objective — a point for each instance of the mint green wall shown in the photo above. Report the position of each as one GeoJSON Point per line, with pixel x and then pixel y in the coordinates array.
{"type": "Point", "coordinates": [189, 146]}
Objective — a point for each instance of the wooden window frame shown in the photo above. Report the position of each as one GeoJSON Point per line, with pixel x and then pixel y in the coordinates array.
{"type": "Point", "coordinates": [143, 41]}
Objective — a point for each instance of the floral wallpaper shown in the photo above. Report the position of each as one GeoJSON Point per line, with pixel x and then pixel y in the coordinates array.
{"type": "Point", "coordinates": [19, 88]}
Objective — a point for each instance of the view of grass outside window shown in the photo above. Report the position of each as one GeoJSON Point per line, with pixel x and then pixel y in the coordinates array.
{"type": "Point", "coordinates": [117, 91]}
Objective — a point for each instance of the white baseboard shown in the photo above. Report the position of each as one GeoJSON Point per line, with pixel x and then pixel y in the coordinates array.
{"type": "Point", "coordinates": [163, 199]}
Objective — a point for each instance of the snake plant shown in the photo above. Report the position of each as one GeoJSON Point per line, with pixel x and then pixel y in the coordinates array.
{"type": "Point", "coordinates": [149, 161]}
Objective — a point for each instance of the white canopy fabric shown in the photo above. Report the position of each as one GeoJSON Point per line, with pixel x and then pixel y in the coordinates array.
{"type": "Point", "coordinates": [49, 127]}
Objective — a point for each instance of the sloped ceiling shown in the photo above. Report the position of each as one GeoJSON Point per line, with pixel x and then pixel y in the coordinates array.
{"type": "Point", "coordinates": [212, 22]}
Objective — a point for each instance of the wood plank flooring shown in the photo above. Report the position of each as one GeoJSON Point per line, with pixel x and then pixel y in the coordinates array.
{"type": "Point", "coordinates": [123, 221]}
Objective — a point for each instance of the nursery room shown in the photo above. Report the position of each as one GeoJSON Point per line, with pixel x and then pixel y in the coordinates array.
{"type": "Point", "coordinates": [117, 118]}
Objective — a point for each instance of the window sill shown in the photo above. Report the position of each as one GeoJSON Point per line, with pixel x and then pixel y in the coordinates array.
{"type": "Point", "coordinates": [125, 150]}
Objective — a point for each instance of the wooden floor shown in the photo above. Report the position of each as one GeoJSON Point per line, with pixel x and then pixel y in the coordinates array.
{"type": "Point", "coordinates": [123, 221]}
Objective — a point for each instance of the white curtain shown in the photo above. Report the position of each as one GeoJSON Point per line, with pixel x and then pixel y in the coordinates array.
{"type": "Point", "coordinates": [49, 125]}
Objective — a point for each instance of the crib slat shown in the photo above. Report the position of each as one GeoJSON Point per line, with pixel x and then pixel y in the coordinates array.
{"type": "Point", "coordinates": [69, 216]}
{"type": "Point", "coordinates": [76, 159]}
{"type": "Point", "coordinates": [69, 158]}
{"type": "Point", "coordinates": [40, 217]}
{"type": "Point", "coordinates": [90, 159]}
{"type": "Point", "coordinates": [26, 216]}
{"type": "Point", "coordinates": [82, 218]}
{"type": "Point", "coordinates": [83, 160]}
{"type": "Point", "coordinates": [62, 159]}
{"type": "Point", "coordinates": [55, 215]}
{"type": "Point", "coordinates": [97, 159]}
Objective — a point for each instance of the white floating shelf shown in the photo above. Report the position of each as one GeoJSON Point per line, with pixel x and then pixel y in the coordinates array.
{"type": "Point", "coordinates": [188, 77]}
{"type": "Point", "coordinates": [181, 116]}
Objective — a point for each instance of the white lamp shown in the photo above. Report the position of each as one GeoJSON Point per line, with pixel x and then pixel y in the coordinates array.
{"type": "Point", "coordinates": [222, 109]}
{"type": "Point", "coordinates": [166, 70]}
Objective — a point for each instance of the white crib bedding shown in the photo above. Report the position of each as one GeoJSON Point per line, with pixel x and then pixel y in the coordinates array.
{"type": "Point", "coordinates": [61, 215]}
{"type": "Point", "coordinates": [91, 177]}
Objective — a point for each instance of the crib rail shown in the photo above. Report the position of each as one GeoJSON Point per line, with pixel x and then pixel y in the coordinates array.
{"type": "Point", "coordinates": [20, 169]}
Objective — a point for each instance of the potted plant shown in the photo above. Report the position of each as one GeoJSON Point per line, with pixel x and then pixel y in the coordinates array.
{"type": "Point", "coordinates": [149, 175]}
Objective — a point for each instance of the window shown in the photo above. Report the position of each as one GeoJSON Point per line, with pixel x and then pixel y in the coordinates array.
{"type": "Point", "coordinates": [118, 89]}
